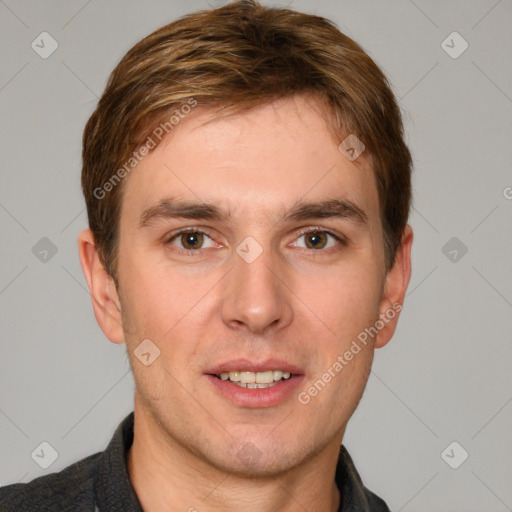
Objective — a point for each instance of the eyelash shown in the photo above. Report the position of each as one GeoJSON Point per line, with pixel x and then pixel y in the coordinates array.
{"type": "Point", "coordinates": [189, 252]}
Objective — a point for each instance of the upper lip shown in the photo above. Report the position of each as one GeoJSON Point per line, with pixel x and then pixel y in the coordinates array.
{"type": "Point", "coordinates": [253, 366]}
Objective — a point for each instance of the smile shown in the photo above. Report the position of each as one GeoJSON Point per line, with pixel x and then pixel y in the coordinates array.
{"type": "Point", "coordinates": [255, 380]}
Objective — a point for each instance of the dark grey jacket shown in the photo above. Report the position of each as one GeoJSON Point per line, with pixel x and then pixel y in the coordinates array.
{"type": "Point", "coordinates": [100, 483]}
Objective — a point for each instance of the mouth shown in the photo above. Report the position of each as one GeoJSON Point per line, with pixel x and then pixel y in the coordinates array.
{"type": "Point", "coordinates": [255, 380]}
{"type": "Point", "coordinates": [249, 384]}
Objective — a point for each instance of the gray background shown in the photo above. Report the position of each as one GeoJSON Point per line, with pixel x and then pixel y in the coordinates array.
{"type": "Point", "coordinates": [444, 377]}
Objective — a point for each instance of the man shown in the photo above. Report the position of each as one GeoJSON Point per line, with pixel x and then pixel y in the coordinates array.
{"type": "Point", "coordinates": [248, 189]}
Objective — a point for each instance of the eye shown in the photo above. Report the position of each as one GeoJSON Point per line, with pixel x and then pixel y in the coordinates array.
{"type": "Point", "coordinates": [191, 240]}
{"type": "Point", "coordinates": [319, 239]}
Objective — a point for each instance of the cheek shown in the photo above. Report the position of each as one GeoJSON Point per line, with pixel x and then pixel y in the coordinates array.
{"type": "Point", "coordinates": [155, 307]}
{"type": "Point", "coordinates": [151, 286]}
{"type": "Point", "coordinates": [166, 306]}
{"type": "Point", "coordinates": [145, 305]}
{"type": "Point", "coordinates": [345, 301]}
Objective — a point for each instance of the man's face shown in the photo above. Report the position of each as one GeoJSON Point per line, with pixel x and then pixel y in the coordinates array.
{"type": "Point", "coordinates": [253, 290]}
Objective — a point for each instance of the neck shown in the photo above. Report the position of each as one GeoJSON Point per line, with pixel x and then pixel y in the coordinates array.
{"type": "Point", "coordinates": [155, 460]}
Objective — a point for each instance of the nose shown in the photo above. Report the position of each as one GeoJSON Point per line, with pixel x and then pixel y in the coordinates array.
{"type": "Point", "coordinates": [255, 295]}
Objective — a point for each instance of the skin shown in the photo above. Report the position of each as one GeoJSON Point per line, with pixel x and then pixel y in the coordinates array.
{"type": "Point", "coordinates": [299, 302]}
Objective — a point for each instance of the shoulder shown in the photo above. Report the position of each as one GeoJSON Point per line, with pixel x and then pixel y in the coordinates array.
{"type": "Point", "coordinates": [71, 489]}
{"type": "Point", "coordinates": [355, 495]}
{"type": "Point", "coordinates": [374, 502]}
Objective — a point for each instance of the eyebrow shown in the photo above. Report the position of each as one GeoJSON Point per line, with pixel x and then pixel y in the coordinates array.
{"type": "Point", "coordinates": [172, 208]}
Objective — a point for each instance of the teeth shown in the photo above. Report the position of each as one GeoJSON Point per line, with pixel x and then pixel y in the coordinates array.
{"type": "Point", "coordinates": [255, 380]}
{"type": "Point", "coordinates": [265, 377]}
{"type": "Point", "coordinates": [254, 385]}
{"type": "Point", "coordinates": [278, 374]}
{"type": "Point", "coordinates": [247, 377]}
{"type": "Point", "coordinates": [234, 376]}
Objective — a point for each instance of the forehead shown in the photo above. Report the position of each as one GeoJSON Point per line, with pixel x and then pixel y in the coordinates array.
{"type": "Point", "coordinates": [257, 163]}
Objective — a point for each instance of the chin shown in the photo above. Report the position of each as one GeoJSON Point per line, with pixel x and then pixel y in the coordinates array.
{"type": "Point", "coordinates": [261, 458]}
{"type": "Point", "coordinates": [261, 466]}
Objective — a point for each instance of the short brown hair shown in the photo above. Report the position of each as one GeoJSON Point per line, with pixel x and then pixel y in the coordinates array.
{"type": "Point", "coordinates": [240, 56]}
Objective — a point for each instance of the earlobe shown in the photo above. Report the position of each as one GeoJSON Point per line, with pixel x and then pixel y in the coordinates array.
{"type": "Point", "coordinates": [397, 281]}
{"type": "Point", "coordinates": [105, 300]}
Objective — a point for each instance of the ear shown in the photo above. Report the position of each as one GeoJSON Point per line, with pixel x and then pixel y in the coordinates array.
{"type": "Point", "coordinates": [397, 281]}
{"type": "Point", "coordinates": [105, 300]}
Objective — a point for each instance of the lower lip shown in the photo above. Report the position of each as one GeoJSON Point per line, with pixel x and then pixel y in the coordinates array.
{"type": "Point", "coordinates": [260, 397]}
